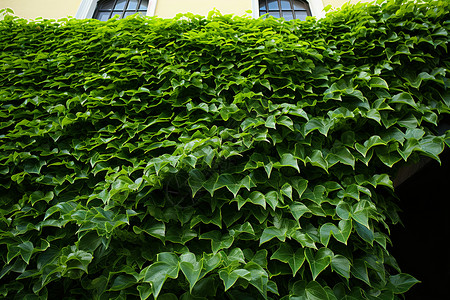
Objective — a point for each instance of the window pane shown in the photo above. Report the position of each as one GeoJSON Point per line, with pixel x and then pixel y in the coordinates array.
{"type": "Point", "coordinates": [275, 14]}
{"type": "Point", "coordinates": [299, 5]}
{"type": "Point", "coordinates": [288, 15]}
{"type": "Point", "coordinates": [118, 13]}
{"type": "Point", "coordinates": [285, 5]}
{"type": "Point", "coordinates": [301, 14]}
{"type": "Point", "coordinates": [262, 4]}
{"type": "Point", "coordinates": [103, 16]}
{"type": "Point", "coordinates": [272, 4]}
{"type": "Point", "coordinates": [106, 4]}
{"type": "Point", "coordinates": [132, 5]}
{"type": "Point", "coordinates": [144, 5]}
{"type": "Point", "coordinates": [120, 4]}
{"type": "Point", "coordinates": [129, 13]}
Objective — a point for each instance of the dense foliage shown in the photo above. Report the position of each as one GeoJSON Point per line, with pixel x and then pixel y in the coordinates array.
{"type": "Point", "coordinates": [214, 158]}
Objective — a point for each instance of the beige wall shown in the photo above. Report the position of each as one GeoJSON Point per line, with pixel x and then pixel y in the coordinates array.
{"type": "Point", "coordinates": [339, 3]}
{"type": "Point", "coordinates": [49, 9]}
{"type": "Point", "coordinates": [169, 8]}
{"type": "Point", "coordinates": [55, 9]}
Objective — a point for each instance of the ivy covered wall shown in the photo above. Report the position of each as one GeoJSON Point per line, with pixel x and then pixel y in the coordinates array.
{"type": "Point", "coordinates": [215, 158]}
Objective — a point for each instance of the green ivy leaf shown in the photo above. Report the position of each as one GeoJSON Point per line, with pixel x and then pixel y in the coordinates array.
{"type": "Point", "coordinates": [344, 156]}
{"type": "Point", "coordinates": [273, 232]}
{"type": "Point", "coordinates": [308, 290]}
{"type": "Point", "coordinates": [341, 265]}
{"type": "Point", "coordinates": [157, 230]}
{"type": "Point", "coordinates": [166, 267]}
{"type": "Point", "coordinates": [295, 259]}
{"type": "Point", "coordinates": [404, 98]}
{"type": "Point", "coordinates": [229, 278]}
{"type": "Point", "coordinates": [341, 234]}
{"type": "Point", "coordinates": [401, 283]}
{"type": "Point", "coordinates": [318, 261]}
{"type": "Point", "coordinates": [218, 241]}
{"type": "Point", "coordinates": [317, 159]}
{"type": "Point", "coordinates": [388, 155]}
{"type": "Point", "coordinates": [359, 270]}
{"type": "Point", "coordinates": [378, 82]}
{"type": "Point", "coordinates": [365, 233]}
{"type": "Point", "coordinates": [258, 278]}
{"type": "Point", "coordinates": [287, 160]}
{"type": "Point", "coordinates": [272, 199]}
{"type": "Point", "coordinates": [196, 180]}
{"type": "Point", "coordinates": [145, 290]}
{"type": "Point", "coordinates": [300, 185]}
{"type": "Point", "coordinates": [371, 142]}
{"type": "Point", "coordinates": [297, 210]}
{"type": "Point", "coordinates": [191, 268]}
{"type": "Point", "coordinates": [122, 282]}
{"type": "Point", "coordinates": [343, 210]}
{"type": "Point", "coordinates": [26, 250]}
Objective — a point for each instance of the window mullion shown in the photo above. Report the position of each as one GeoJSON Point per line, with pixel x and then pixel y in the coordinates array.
{"type": "Point", "coordinates": [112, 9]}
{"type": "Point", "coordinates": [293, 9]}
{"type": "Point", "coordinates": [279, 8]}
{"type": "Point", "coordinates": [125, 8]}
{"type": "Point", "coordinates": [138, 5]}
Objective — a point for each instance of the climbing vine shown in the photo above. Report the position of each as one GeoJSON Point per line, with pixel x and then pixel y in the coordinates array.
{"type": "Point", "coordinates": [215, 158]}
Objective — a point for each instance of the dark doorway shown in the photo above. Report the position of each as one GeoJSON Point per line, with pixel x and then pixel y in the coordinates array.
{"type": "Point", "coordinates": [421, 247]}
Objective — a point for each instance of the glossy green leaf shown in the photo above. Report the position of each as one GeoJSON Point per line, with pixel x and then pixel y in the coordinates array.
{"type": "Point", "coordinates": [300, 185]}
{"type": "Point", "coordinates": [230, 278]}
{"type": "Point", "coordinates": [122, 282]}
{"type": "Point", "coordinates": [26, 250]}
{"type": "Point", "coordinates": [258, 278]}
{"type": "Point", "coordinates": [401, 283]}
{"type": "Point", "coordinates": [298, 209]}
{"type": "Point", "coordinates": [341, 265]}
{"type": "Point", "coordinates": [273, 232]}
{"type": "Point", "coordinates": [404, 98]}
{"type": "Point", "coordinates": [196, 181]}
{"type": "Point", "coordinates": [166, 267]}
{"type": "Point", "coordinates": [285, 254]}
{"type": "Point", "coordinates": [310, 291]}
{"type": "Point", "coordinates": [318, 261]}
{"type": "Point", "coordinates": [317, 159]}
{"type": "Point", "coordinates": [378, 82]}
{"type": "Point", "coordinates": [145, 290]}
{"type": "Point", "coordinates": [359, 270]}
{"type": "Point", "coordinates": [191, 268]}
{"type": "Point", "coordinates": [341, 233]}
{"type": "Point", "coordinates": [287, 160]}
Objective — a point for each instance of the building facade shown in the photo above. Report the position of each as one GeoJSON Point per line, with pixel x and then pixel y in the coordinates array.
{"type": "Point", "coordinates": [55, 9]}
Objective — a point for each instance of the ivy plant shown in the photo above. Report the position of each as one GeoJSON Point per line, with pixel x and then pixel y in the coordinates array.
{"type": "Point", "coordinates": [215, 157]}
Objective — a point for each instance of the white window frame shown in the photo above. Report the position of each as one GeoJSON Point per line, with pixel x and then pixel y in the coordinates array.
{"type": "Point", "coordinates": [316, 7]}
{"type": "Point", "coordinates": [87, 8]}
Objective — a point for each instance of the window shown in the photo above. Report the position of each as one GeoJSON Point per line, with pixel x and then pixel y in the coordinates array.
{"type": "Point", "coordinates": [287, 9]}
{"type": "Point", "coordinates": [106, 9]}
{"type": "Point", "coordinates": [88, 8]}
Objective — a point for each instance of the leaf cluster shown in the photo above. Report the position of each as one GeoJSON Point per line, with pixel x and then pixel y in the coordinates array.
{"type": "Point", "coordinates": [215, 158]}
